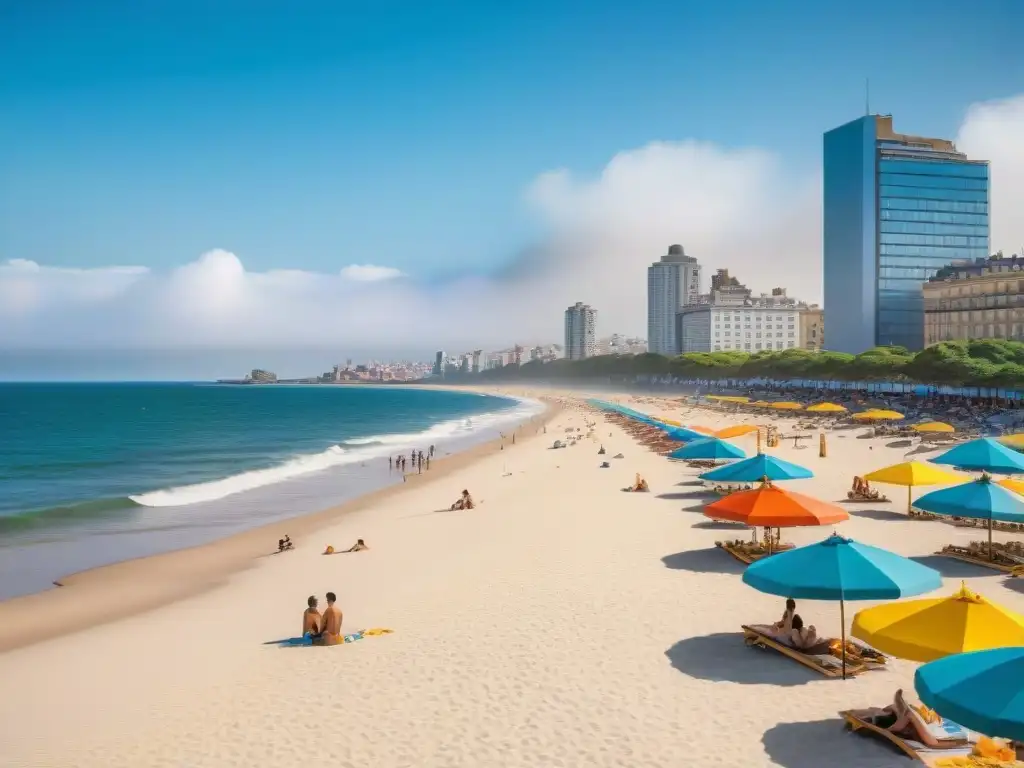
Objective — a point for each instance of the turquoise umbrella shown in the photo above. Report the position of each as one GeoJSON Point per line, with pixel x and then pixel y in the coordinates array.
{"type": "Point", "coordinates": [978, 500]}
{"type": "Point", "coordinates": [841, 569]}
{"type": "Point", "coordinates": [708, 448]}
{"type": "Point", "coordinates": [684, 435]}
{"type": "Point", "coordinates": [983, 455]}
{"type": "Point", "coordinates": [980, 690]}
{"type": "Point", "coordinates": [757, 468]}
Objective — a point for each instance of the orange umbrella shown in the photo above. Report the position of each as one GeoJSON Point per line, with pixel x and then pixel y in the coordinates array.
{"type": "Point", "coordinates": [771, 507]}
{"type": "Point", "coordinates": [702, 430]}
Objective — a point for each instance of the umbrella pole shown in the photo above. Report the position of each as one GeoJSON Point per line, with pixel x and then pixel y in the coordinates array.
{"type": "Point", "coordinates": [842, 632]}
{"type": "Point", "coordinates": [990, 555]}
{"type": "Point", "coordinates": [910, 504]}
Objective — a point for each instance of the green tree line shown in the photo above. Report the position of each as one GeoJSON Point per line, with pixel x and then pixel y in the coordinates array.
{"type": "Point", "coordinates": [975, 363]}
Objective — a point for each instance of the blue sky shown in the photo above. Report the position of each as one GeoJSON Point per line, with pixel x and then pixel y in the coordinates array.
{"type": "Point", "coordinates": [312, 135]}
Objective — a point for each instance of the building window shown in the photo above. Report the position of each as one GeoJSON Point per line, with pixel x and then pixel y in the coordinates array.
{"type": "Point", "coordinates": [790, 344]}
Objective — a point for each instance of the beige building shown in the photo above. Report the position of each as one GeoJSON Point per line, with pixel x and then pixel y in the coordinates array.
{"type": "Point", "coordinates": [983, 300]}
{"type": "Point", "coordinates": [812, 328]}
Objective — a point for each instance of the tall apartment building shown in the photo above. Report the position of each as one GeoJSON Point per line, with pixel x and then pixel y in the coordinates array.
{"type": "Point", "coordinates": [439, 363]}
{"type": "Point", "coordinates": [732, 319]}
{"type": "Point", "coordinates": [673, 282]}
{"type": "Point", "coordinates": [580, 336]}
{"type": "Point", "coordinates": [812, 328]}
{"type": "Point", "coordinates": [897, 208]}
{"type": "Point", "coordinates": [984, 300]}
{"type": "Point", "coordinates": [476, 360]}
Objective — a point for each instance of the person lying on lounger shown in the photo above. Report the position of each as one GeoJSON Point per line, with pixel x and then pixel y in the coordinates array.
{"type": "Point", "coordinates": [899, 719]}
{"type": "Point", "coordinates": [464, 502]}
{"type": "Point", "coordinates": [787, 616]}
{"type": "Point", "coordinates": [798, 636]}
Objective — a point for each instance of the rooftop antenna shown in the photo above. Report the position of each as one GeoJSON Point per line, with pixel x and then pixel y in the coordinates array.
{"type": "Point", "coordinates": [867, 96]}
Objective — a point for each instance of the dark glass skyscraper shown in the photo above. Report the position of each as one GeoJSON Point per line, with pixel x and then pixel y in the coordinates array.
{"type": "Point", "coordinates": [897, 208]}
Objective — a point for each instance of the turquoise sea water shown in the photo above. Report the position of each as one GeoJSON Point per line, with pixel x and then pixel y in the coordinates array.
{"type": "Point", "coordinates": [108, 471]}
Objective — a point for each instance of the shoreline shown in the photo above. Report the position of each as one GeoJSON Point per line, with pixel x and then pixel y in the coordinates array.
{"type": "Point", "coordinates": [149, 582]}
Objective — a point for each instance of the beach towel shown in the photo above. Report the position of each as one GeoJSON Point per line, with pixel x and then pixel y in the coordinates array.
{"type": "Point", "coordinates": [307, 639]}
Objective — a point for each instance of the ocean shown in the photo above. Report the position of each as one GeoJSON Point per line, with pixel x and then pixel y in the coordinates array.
{"type": "Point", "coordinates": [92, 474]}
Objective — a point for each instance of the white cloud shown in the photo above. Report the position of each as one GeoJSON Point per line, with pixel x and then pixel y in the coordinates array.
{"type": "Point", "coordinates": [370, 273]}
{"type": "Point", "coordinates": [994, 131]}
{"type": "Point", "coordinates": [735, 208]}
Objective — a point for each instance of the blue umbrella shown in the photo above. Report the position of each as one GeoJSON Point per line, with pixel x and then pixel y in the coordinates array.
{"type": "Point", "coordinates": [708, 448]}
{"type": "Point", "coordinates": [978, 500]}
{"type": "Point", "coordinates": [841, 569]}
{"type": "Point", "coordinates": [983, 455]}
{"type": "Point", "coordinates": [757, 468]}
{"type": "Point", "coordinates": [980, 690]}
{"type": "Point", "coordinates": [684, 435]}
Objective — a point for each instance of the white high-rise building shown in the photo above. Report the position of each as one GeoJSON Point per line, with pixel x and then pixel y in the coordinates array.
{"type": "Point", "coordinates": [580, 336]}
{"type": "Point", "coordinates": [733, 320]}
{"type": "Point", "coordinates": [672, 283]}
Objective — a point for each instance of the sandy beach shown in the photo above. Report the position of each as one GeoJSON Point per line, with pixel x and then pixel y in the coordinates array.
{"type": "Point", "coordinates": [561, 623]}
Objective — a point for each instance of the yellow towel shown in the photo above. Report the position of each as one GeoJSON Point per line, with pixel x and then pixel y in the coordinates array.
{"type": "Point", "coordinates": [376, 631]}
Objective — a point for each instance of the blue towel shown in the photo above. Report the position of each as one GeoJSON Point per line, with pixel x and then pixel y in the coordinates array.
{"type": "Point", "coordinates": [307, 639]}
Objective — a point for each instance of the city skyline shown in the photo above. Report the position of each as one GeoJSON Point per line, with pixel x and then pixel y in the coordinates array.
{"type": "Point", "coordinates": [304, 210]}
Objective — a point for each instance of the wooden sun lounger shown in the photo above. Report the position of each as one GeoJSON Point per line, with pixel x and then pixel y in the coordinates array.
{"type": "Point", "coordinates": [739, 554]}
{"type": "Point", "coordinates": [964, 555]}
{"type": "Point", "coordinates": [912, 749]}
{"type": "Point", "coordinates": [826, 664]}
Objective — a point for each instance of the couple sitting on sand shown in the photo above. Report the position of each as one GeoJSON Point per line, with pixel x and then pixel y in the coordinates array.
{"type": "Point", "coordinates": [464, 502]}
{"type": "Point", "coordinates": [322, 629]}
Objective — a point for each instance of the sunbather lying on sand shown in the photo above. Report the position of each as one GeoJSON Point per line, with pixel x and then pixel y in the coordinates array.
{"type": "Point", "coordinates": [464, 502]}
{"type": "Point", "coordinates": [359, 546]}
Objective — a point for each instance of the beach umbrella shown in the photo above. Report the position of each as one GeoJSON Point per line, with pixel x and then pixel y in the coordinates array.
{"type": "Point", "coordinates": [1017, 486]}
{"type": "Point", "coordinates": [841, 569]}
{"type": "Point", "coordinates": [983, 455]}
{"type": "Point", "coordinates": [925, 630]}
{"type": "Point", "coordinates": [771, 507]}
{"type": "Point", "coordinates": [933, 426]}
{"type": "Point", "coordinates": [684, 435]}
{"type": "Point", "coordinates": [878, 415]}
{"type": "Point", "coordinates": [980, 690]}
{"type": "Point", "coordinates": [826, 408]}
{"type": "Point", "coordinates": [709, 448]}
{"type": "Point", "coordinates": [1014, 441]}
{"type": "Point", "coordinates": [737, 431]}
{"type": "Point", "coordinates": [977, 500]}
{"type": "Point", "coordinates": [757, 468]}
{"type": "Point", "coordinates": [787, 406]}
{"type": "Point", "coordinates": [912, 474]}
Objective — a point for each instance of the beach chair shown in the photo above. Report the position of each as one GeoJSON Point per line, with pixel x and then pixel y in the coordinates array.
{"type": "Point", "coordinates": [824, 662]}
{"type": "Point", "coordinates": [955, 740]}
{"type": "Point", "coordinates": [1004, 562]}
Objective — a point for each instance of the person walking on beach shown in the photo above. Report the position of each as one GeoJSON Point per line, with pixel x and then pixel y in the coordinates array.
{"type": "Point", "coordinates": [389, 463]}
{"type": "Point", "coordinates": [431, 454]}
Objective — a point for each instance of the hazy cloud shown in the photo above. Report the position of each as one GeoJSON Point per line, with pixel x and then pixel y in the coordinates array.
{"type": "Point", "coordinates": [730, 207]}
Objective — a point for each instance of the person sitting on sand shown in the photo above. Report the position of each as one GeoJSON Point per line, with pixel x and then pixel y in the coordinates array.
{"type": "Point", "coordinates": [359, 546]}
{"type": "Point", "coordinates": [311, 618]}
{"type": "Point", "coordinates": [601, 452]}
{"type": "Point", "coordinates": [283, 544]}
{"type": "Point", "coordinates": [330, 628]}
{"type": "Point", "coordinates": [465, 502]}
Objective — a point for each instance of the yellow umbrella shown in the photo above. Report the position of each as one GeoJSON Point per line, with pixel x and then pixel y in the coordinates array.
{"type": "Point", "coordinates": [926, 630]}
{"type": "Point", "coordinates": [912, 474]}
{"type": "Point", "coordinates": [1014, 441]}
{"type": "Point", "coordinates": [787, 406]}
{"type": "Point", "coordinates": [1017, 486]}
{"type": "Point", "coordinates": [878, 415]}
{"type": "Point", "coordinates": [736, 431]}
{"type": "Point", "coordinates": [826, 408]}
{"type": "Point", "coordinates": [933, 426]}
